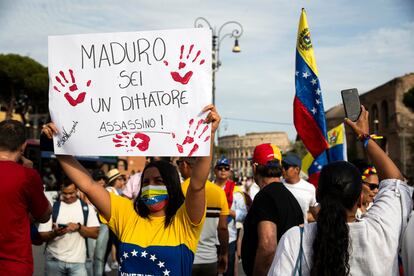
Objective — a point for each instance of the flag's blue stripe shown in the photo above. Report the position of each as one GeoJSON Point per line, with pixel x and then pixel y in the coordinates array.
{"type": "Point", "coordinates": [337, 152]}
{"type": "Point", "coordinates": [307, 92]}
{"type": "Point", "coordinates": [318, 163]}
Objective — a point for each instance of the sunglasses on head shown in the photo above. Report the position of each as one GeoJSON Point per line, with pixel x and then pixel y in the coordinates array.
{"type": "Point", "coordinates": [372, 186]}
{"type": "Point", "coordinates": [221, 168]}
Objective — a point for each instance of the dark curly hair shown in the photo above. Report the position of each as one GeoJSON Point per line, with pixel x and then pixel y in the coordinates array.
{"type": "Point", "coordinates": [339, 188]}
{"type": "Point", "coordinates": [171, 180]}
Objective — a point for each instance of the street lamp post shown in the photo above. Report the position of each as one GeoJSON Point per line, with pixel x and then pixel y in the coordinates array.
{"type": "Point", "coordinates": [237, 31]}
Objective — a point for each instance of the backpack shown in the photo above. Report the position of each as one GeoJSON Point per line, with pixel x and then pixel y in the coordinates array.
{"type": "Point", "coordinates": [85, 211]}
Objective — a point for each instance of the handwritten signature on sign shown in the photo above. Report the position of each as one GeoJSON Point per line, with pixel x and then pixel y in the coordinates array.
{"type": "Point", "coordinates": [184, 60]}
{"type": "Point", "coordinates": [196, 134]}
{"type": "Point", "coordinates": [132, 141]}
{"type": "Point", "coordinates": [77, 97]}
{"type": "Point", "coordinates": [66, 135]}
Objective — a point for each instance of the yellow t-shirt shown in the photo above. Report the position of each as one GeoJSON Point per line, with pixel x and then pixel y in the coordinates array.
{"type": "Point", "coordinates": [216, 204]}
{"type": "Point", "coordinates": [146, 247]}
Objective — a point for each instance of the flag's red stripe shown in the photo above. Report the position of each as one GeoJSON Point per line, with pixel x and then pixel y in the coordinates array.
{"type": "Point", "coordinates": [314, 178]}
{"type": "Point", "coordinates": [308, 130]}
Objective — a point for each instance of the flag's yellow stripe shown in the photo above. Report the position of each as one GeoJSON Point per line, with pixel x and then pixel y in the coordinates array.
{"type": "Point", "coordinates": [338, 132]}
{"type": "Point", "coordinates": [304, 43]}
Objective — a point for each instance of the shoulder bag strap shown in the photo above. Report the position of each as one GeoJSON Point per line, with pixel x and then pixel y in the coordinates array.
{"type": "Point", "coordinates": [298, 265]}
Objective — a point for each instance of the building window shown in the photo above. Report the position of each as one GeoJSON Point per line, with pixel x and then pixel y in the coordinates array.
{"type": "Point", "coordinates": [384, 115]}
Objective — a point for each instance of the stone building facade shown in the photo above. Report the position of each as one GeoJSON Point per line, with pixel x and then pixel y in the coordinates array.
{"type": "Point", "coordinates": [389, 117]}
{"type": "Point", "coordinates": [239, 148]}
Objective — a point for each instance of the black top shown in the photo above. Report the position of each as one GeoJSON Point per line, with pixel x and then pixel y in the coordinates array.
{"type": "Point", "coordinates": [273, 203]}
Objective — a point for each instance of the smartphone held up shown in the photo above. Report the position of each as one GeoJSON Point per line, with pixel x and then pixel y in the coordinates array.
{"type": "Point", "coordinates": [352, 105]}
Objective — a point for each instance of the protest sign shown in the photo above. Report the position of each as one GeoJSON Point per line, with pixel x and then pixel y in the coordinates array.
{"type": "Point", "coordinates": [135, 93]}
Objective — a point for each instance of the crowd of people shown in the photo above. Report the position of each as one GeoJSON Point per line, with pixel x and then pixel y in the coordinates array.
{"type": "Point", "coordinates": [170, 219]}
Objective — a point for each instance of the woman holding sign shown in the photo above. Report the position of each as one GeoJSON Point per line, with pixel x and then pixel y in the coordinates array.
{"type": "Point", "coordinates": [158, 233]}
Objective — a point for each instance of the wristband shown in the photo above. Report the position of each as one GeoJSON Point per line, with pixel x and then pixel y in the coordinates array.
{"type": "Point", "coordinates": [364, 138]}
{"type": "Point", "coordinates": [79, 226]}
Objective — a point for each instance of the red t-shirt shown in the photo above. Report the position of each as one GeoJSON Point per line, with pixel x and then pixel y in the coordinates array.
{"type": "Point", "coordinates": [21, 193]}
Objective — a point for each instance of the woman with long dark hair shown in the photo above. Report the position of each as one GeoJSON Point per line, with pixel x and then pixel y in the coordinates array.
{"type": "Point", "coordinates": [158, 232]}
{"type": "Point", "coordinates": [338, 244]}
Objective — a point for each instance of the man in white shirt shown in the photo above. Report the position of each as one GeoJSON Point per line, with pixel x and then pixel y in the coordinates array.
{"type": "Point", "coordinates": [66, 231]}
{"type": "Point", "coordinates": [303, 191]}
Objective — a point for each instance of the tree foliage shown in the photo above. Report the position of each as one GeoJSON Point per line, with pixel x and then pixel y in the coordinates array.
{"type": "Point", "coordinates": [298, 148]}
{"type": "Point", "coordinates": [24, 85]}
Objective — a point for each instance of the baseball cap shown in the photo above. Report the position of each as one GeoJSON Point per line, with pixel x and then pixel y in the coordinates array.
{"type": "Point", "coordinates": [292, 160]}
{"type": "Point", "coordinates": [264, 153]}
{"type": "Point", "coordinates": [112, 175]}
{"type": "Point", "coordinates": [223, 161]}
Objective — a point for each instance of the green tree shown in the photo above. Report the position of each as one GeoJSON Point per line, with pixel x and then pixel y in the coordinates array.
{"type": "Point", "coordinates": [299, 148]}
{"type": "Point", "coordinates": [24, 85]}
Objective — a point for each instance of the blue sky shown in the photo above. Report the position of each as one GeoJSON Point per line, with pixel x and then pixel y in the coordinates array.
{"type": "Point", "coordinates": [359, 44]}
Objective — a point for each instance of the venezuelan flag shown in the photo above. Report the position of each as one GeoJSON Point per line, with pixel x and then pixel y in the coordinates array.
{"type": "Point", "coordinates": [337, 152]}
{"type": "Point", "coordinates": [309, 113]}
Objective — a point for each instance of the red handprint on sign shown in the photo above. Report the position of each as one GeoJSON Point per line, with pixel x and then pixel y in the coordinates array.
{"type": "Point", "coordinates": [193, 137]}
{"type": "Point", "coordinates": [185, 78]}
{"type": "Point", "coordinates": [73, 88]}
{"type": "Point", "coordinates": [129, 140]}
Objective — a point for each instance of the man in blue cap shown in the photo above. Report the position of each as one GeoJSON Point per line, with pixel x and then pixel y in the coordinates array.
{"type": "Point", "coordinates": [303, 191]}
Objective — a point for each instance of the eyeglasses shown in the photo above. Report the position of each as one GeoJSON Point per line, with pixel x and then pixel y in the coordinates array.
{"type": "Point", "coordinates": [372, 186]}
{"type": "Point", "coordinates": [221, 168]}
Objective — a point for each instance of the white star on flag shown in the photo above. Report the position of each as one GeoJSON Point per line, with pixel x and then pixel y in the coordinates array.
{"type": "Point", "coordinates": [153, 258]}
{"type": "Point", "coordinates": [318, 91]}
{"type": "Point", "coordinates": [305, 75]}
{"type": "Point", "coordinates": [134, 253]}
{"type": "Point", "coordinates": [125, 255]}
{"type": "Point", "coordinates": [144, 254]}
{"type": "Point", "coordinates": [319, 167]}
{"type": "Point", "coordinates": [314, 110]}
{"type": "Point", "coordinates": [313, 81]}
{"type": "Point", "coordinates": [317, 101]}
{"type": "Point", "coordinates": [161, 264]}
{"type": "Point", "coordinates": [166, 272]}
{"type": "Point", "coordinates": [296, 73]}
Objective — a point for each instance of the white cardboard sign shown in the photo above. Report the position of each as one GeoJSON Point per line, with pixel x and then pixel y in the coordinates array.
{"type": "Point", "coordinates": [135, 93]}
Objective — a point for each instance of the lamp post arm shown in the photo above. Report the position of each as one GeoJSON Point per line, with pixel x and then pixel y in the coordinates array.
{"type": "Point", "coordinates": [237, 31]}
{"type": "Point", "coordinates": [200, 22]}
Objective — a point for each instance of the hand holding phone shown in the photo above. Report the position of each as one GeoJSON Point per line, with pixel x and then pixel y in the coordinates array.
{"type": "Point", "coordinates": [59, 229]}
{"type": "Point", "coordinates": [352, 106]}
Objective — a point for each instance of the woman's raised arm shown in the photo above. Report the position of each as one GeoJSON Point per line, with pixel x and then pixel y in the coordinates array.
{"type": "Point", "coordinates": [195, 198]}
{"type": "Point", "coordinates": [80, 176]}
{"type": "Point", "coordinates": [385, 166]}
